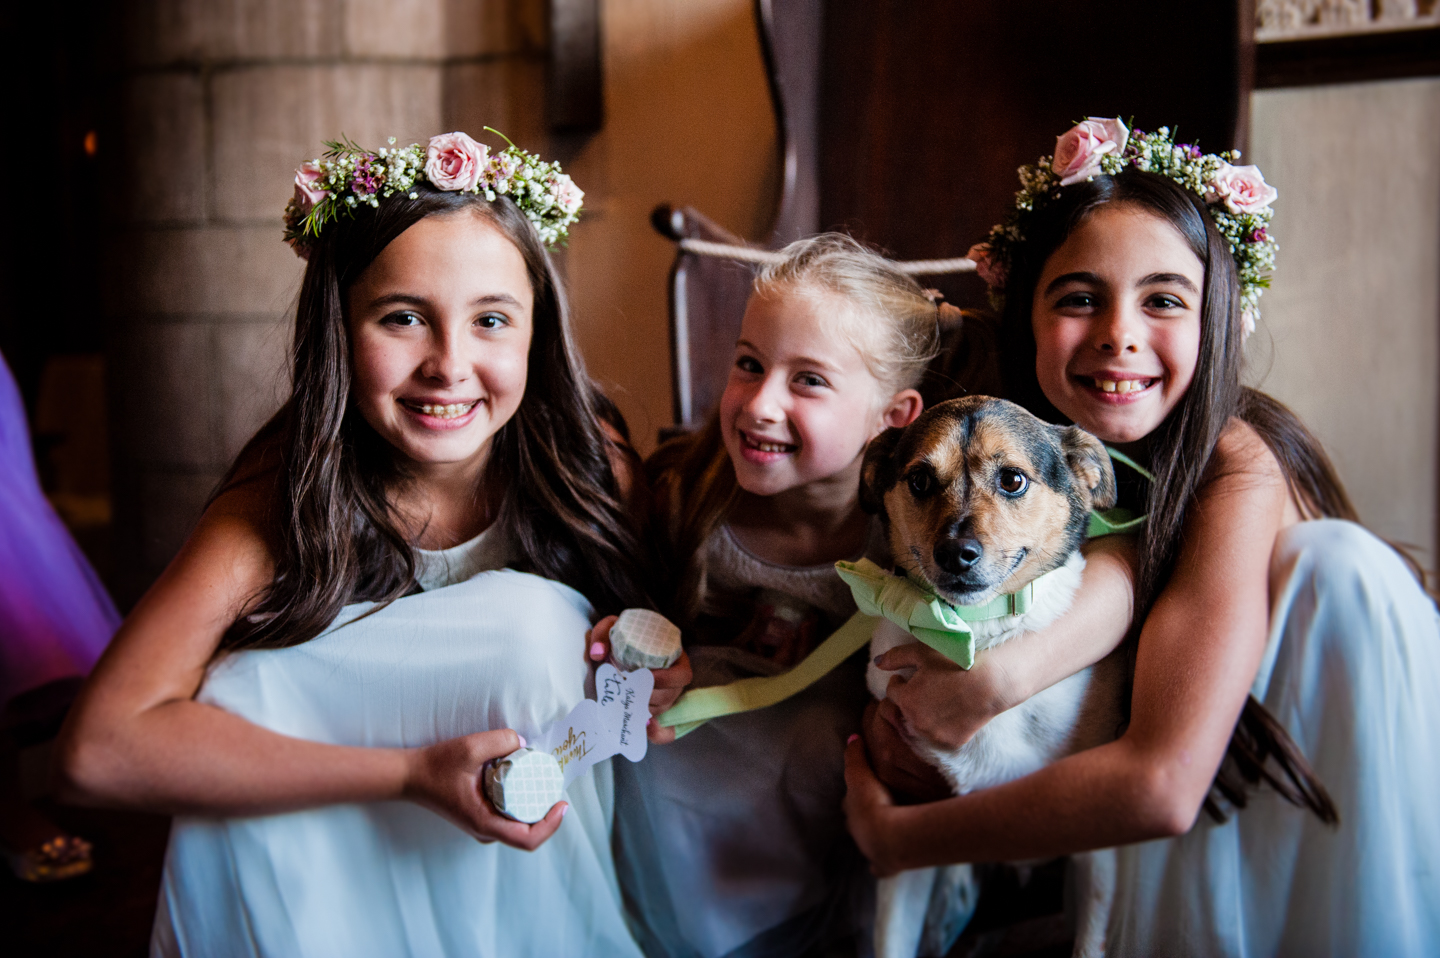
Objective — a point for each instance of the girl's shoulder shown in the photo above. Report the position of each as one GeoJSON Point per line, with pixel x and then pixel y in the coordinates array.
{"type": "Point", "coordinates": [235, 541]}
{"type": "Point", "coordinates": [1243, 474]}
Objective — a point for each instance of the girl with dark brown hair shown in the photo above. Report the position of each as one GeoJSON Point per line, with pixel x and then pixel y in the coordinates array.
{"type": "Point", "coordinates": [1286, 661]}
{"type": "Point", "coordinates": [392, 587]}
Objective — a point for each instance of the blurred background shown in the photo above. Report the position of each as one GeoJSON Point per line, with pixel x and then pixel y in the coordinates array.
{"type": "Point", "coordinates": [147, 296]}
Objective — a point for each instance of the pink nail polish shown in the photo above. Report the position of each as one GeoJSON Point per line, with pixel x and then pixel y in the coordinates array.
{"type": "Point", "coordinates": [522, 740]}
{"type": "Point", "coordinates": [852, 738]}
{"type": "Point", "coordinates": [564, 811]}
{"type": "Point", "coordinates": [597, 649]}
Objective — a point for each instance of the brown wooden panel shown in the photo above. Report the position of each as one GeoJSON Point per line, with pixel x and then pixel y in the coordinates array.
{"type": "Point", "coordinates": [574, 94]}
{"type": "Point", "coordinates": [928, 106]}
{"type": "Point", "coordinates": [1370, 56]}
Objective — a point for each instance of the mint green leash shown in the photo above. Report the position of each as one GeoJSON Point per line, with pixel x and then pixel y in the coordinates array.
{"type": "Point", "coordinates": [879, 594]}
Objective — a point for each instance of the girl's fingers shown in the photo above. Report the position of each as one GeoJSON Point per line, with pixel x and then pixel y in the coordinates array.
{"type": "Point", "coordinates": [659, 734]}
{"type": "Point", "coordinates": [912, 655]}
{"type": "Point", "coordinates": [496, 744]}
{"type": "Point", "coordinates": [676, 676]}
{"type": "Point", "coordinates": [866, 803]}
{"type": "Point", "coordinates": [597, 642]}
{"type": "Point", "coordinates": [861, 785]}
{"type": "Point", "coordinates": [491, 826]}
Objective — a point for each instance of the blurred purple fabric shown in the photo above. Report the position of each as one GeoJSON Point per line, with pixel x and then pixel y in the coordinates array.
{"type": "Point", "coordinates": [55, 616]}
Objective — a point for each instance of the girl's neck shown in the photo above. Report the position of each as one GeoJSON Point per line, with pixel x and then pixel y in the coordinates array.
{"type": "Point", "coordinates": [812, 524]}
{"type": "Point", "coordinates": [441, 505]}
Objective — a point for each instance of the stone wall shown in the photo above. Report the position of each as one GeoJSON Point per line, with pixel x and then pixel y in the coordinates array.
{"type": "Point", "coordinates": [1350, 330]}
{"type": "Point", "coordinates": [219, 101]}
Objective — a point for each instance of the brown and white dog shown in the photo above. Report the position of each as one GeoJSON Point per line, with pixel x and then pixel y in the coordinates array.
{"type": "Point", "coordinates": [979, 498]}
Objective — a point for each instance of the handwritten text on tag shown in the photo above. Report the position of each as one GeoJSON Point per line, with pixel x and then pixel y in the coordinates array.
{"type": "Point", "coordinates": [612, 723]}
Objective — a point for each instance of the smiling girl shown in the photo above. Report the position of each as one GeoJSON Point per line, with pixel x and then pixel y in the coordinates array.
{"type": "Point", "coordinates": [732, 839]}
{"type": "Point", "coordinates": [360, 616]}
{"type": "Point", "coordinates": [1287, 660]}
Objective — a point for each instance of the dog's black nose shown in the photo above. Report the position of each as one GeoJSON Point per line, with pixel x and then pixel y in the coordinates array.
{"type": "Point", "coordinates": [957, 556]}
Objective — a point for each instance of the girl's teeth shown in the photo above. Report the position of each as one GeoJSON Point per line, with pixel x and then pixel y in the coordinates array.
{"type": "Point", "coordinates": [448, 411]}
{"type": "Point", "coordinates": [1121, 385]}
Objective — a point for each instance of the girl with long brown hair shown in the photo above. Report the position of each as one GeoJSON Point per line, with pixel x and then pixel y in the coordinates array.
{"type": "Point", "coordinates": [1286, 661]}
{"type": "Point", "coordinates": [393, 586]}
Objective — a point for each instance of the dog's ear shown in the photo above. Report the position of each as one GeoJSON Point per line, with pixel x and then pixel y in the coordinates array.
{"type": "Point", "coordinates": [1091, 465]}
{"type": "Point", "coordinates": [877, 472]}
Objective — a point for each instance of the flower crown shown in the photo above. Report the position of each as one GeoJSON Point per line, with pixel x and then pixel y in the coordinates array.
{"type": "Point", "coordinates": [1237, 197]}
{"type": "Point", "coordinates": [348, 176]}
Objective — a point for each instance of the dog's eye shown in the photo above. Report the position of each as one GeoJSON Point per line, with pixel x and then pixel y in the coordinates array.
{"type": "Point", "coordinates": [1013, 482]}
{"type": "Point", "coordinates": [921, 481]}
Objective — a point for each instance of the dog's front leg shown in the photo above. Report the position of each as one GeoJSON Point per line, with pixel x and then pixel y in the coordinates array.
{"type": "Point", "coordinates": [901, 902]}
{"type": "Point", "coordinates": [1094, 896]}
{"type": "Point", "coordinates": [887, 635]}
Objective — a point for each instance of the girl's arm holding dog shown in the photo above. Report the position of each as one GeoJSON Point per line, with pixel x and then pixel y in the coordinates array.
{"type": "Point", "coordinates": [948, 704]}
{"type": "Point", "coordinates": [1190, 684]}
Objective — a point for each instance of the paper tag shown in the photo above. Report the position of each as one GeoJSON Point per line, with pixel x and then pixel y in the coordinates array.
{"type": "Point", "coordinates": [612, 723]}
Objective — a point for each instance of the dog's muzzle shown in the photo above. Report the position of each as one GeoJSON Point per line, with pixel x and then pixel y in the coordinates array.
{"type": "Point", "coordinates": [957, 555]}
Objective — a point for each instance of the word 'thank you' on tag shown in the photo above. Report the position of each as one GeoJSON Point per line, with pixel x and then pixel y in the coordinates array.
{"type": "Point", "coordinates": [612, 723]}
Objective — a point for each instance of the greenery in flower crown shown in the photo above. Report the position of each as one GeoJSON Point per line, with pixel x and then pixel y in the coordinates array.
{"type": "Point", "coordinates": [349, 176]}
{"type": "Point", "coordinates": [1238, 199]}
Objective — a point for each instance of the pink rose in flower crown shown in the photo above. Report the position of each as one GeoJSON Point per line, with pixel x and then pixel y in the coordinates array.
{"type": "Point", "coordinates": [567, 194]}
{"type": "Point", "coordinates": [453, 161]}
{"type": "Point", "coordinates": [1078, 152]}
{"type": "Point", "coordinates": [1242, 188]}
{"type": "Point", "coordinates": [987, 266]}
{"type": "Point", "coordinates": [307, 186]}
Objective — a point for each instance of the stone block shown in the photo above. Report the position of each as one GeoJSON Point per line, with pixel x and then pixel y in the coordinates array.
{"type": "Point", "coordinates": [270, 119]}
{"type": "Point", "coordinates": [170, 503]}
{"type": "Point", "coordinates": [253, 376]}
{"type": "Point", "coordinates": [395, 28]}
{"type": "Point", "coordinates": [167, 32]}
{"type": "Point", "coordinates": [435, 29]}
{"type": "Point", "coordinates": [165, 148]}
{"type": "Point", "coordinates": [507, 94]}
{"type": "Point", "coordinates": [192, 271]}
{"type": "Point", "coordinates": [165, 407]}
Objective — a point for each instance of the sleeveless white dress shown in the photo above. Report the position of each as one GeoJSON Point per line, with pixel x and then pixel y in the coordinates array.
{"type": "Point", "coordinates": [481, 648]}
{"type": "Point", "coordinates": [1352, 670]}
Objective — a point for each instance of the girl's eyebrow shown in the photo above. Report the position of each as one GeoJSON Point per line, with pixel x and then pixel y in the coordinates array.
{"type": "Point", "coordinates": [1170, 278]}
{"type": "Point", "coordinates": [1059, 281]}
{"type": "Point", "coordinates": [796, 360]}
{"type": "Point", "coordinates": [1177, 279]}
{"type": "Point", "coordinates": [411, 298]}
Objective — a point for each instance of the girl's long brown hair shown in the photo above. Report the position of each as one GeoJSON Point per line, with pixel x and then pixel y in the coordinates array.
{"type": "Point", "coordinates": [334, 536]}
{"type": "Point", "coordinates": [1181, 447]}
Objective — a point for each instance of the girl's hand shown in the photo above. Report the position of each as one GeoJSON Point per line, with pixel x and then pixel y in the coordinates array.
{"type": "Point", "coordinates": [445, 778]}
{"type": "Point", "coordinates": [869, 810]}
{"type": "Point", "coordinates": [669, 683]}
{"type": "Point", "coordinates": [942, 702]}
{"type": "Point", "coordinates": [895, 762]}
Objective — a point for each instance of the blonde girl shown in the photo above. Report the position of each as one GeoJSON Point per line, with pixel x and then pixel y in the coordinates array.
{"type": "Point", "coordinates": [732, 838]}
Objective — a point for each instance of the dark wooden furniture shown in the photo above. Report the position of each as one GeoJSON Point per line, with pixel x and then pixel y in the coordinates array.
{"type": "Point", "coordinates": [928, 106]}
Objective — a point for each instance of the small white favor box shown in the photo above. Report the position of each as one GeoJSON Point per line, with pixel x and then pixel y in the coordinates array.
{"type": "Point", "coordinates": [525, 784]}
{"type": "Point", "coordinates": [641, 639]}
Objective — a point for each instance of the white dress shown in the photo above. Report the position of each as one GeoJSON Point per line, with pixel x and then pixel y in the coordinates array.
{"type": "Point", "coordinates": [482, 648]}
{"type": "Point", "coordinates": [1352, 670]}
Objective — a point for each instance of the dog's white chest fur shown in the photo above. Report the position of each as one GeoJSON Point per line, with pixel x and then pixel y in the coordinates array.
{"type": "Point", "coordinates": [1068, 717]}
{"type": "Point", "coordinates": [1077, 713]}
